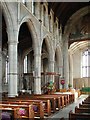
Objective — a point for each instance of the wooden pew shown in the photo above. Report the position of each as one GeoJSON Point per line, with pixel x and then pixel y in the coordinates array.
{"type": "Point", "coordinates": [43, 105]}
{"type": "Point", "coordinates": [79, 116]}
{"type": "Point", "coordinates": [22, 111]}
{"type": "Point", "coordinates": [42, 98]}
{"type": "Point", "coordinates": [85, 102]}
{"type": "Point", "coordinates": [88, 99]}
{"type": "Point", "coordinates": [8, 113]}
{"type": "Point", "coordinates": [61, 100]}
{"type": "Point", "coordinates": [66, 98]}
{"type": "Point", "coordinates": [84, 105]}
{"type": "Point", "coordinates": [52, 100]}
{"type": "Point", "coordinates": [56, 101]}
{"type": "Point", "coordinates": [71, 97]}
{"type": "Point", "coordinates": [82, 110]}
{"type": "Point", "coordinates": [37, 105]}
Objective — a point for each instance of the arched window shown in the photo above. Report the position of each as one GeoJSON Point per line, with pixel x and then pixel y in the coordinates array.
{"type": "Point", "coordinates": [25, 64]}
{"type": "Point", "coordinates": [7, 70]}
{"type": "Point", "coordinates": [44, 19]}
{"type": "Point", "coordinates": [50, 23]}
{"type": "Point", "coordinates": [86, 63]}
{"type": "Point", "coordinates": [33, 7]}
{"type": "Point", "coordinates": [24, 2]}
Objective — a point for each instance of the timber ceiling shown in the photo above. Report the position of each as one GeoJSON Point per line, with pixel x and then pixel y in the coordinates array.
{"type": "Point", "coordinates": [64, 10]}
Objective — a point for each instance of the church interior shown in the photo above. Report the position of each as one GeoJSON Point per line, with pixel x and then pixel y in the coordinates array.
{"type": "Point", "coordinates": [44, 60]}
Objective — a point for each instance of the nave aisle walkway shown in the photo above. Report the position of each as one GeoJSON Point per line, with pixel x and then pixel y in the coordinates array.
{"type": "Point", "coordinates": [65, 111]}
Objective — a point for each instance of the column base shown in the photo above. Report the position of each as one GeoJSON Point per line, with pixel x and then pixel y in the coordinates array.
{"type": "Point", "coordinates": [12, 95]}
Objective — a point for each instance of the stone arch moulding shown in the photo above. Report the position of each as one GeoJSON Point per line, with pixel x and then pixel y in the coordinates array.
{"type": "Point", "coordinates": [59, 55]}
{"type": "Point", "coordinates": [75, 17]}
{"type": "Point", "coordinates": [26, 52]}
{"type": "Point", "coordinates": [49, 45]}
{"type": "Point", "coordinates": [45, 5]}
{"type": "Point", "coordinates": [32, 30]}
{"type": "Point", "coordinates": [8, 18]}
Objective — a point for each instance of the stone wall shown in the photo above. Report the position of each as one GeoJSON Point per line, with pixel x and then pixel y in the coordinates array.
{"type": "Point", "coordinates": [78, 83]}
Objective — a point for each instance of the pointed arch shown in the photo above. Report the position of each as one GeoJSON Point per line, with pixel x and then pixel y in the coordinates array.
{"type": "Point", "coordinates": [8, 18]}
{"type": "Point", "coordinates": [49, 45]}
{"type": "Point", "coordinates": [32, 30]}
{"type": "Point", "coordinates": [58, 54]}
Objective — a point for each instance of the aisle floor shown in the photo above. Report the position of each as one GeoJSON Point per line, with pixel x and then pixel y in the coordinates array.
{"type": "Point", "coordinates": [65, 111]}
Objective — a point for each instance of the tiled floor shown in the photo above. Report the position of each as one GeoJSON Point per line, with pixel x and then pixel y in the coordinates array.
{"type": "Point", "coordinates": [65, 111]}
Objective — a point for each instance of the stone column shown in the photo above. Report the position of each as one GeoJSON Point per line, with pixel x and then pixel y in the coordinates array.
{"type": "Point", "coordinates": [37, 77]}
{"type": "Point", "coordinates": [0, 70]}
{"type": "Point", "coordinates": [13, 70]}
{"type": "Point", "coordinates": [65, 61]}
{"type": "Point", "coordinates": [51, 69]}
{"type": "Point", "coordinates": [71, 70]}
{"type": "Point", "coordinates": [0, 52]}
{"type": "Point", "coordinates": [20, 71]}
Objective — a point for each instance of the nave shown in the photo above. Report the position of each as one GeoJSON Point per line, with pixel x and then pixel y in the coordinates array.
{"type": "Point", "coordinates": [45, 47]}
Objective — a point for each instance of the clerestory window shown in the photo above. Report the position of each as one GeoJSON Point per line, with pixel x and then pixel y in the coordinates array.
{"type": "Point", "coordinates": [25, 64]}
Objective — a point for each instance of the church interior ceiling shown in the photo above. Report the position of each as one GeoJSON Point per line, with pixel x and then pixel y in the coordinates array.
{"type": "Point", "coordinates": [63, 11]}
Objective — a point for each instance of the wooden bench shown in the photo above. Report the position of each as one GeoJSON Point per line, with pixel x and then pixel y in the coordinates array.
{"type": "Point", "coordinates": [82, 110]}
{"type": "Point", "coordinates": [87, 99]}
{"type": "Point", "coordinates": [85, 102]}
{"type": "Point", "coordinates": [46, 103]}
{"type": "Point", "coordinates": [8, 113]}
{"type": "Point", "coordinates": [43, 106]}
{"type": "Point", "coordinates": [56, 102]}
{"type": "Point", "coordinates": [79, 116]}
{"type": "Point", "coordinates": [84, 105]}
{"type": "Point", "coordinates": [37, 105]}
{"type": "Point", "coordinates": [52, 100]}
{"type": "Point", "coordinates": [21, 111]}
{"type": "Point", "coordinates": [50, 105]}
{"type": "Point", "coordinates": [61, 100]}
{"type": "Point", "coordinates": [66, 98]}
{"type": "Point", "coordinates": [70, 97]}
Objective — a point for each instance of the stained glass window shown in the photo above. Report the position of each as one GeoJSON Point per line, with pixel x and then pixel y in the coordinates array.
{"type": "Point", "coordinates": [86, 63]}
